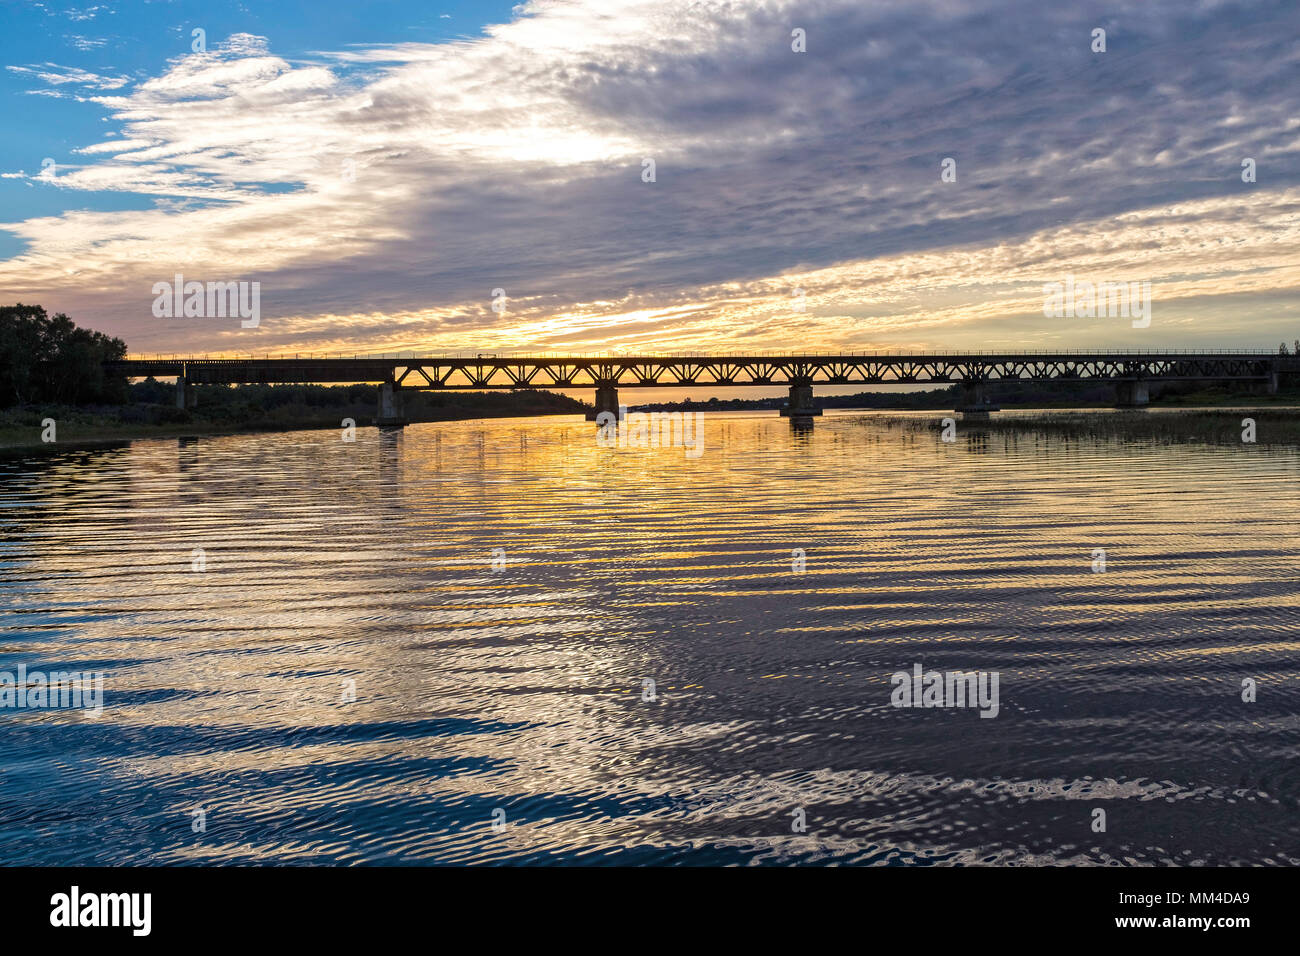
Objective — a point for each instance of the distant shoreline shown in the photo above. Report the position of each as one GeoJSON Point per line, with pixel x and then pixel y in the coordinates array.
{"type": "Point", "coordinates": [1212, 425]}
{"type": "Point", "coordinates": [1209, 421]}
{"type": "Point", "coordinates": [23, 439]}
{"type": "Point", "coordinates": [944, 400]}
{"type": "Point", "coordinates": [151, 412]}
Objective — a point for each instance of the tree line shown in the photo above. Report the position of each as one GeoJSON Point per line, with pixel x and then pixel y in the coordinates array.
{"type": "Point", "coordinates": [47, 358]}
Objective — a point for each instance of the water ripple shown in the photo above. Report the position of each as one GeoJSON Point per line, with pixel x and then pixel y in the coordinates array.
{"type": "Point", "coordinates": [435, 647]}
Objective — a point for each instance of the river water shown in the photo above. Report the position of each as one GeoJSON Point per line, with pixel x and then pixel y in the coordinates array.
{"type": "Point", "coordinates": [436, 646]}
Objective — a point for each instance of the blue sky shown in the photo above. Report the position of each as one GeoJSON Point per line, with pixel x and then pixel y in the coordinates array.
{"type": "Point", "coordinates": [382, 168]}
{"type": "Point", "coordinates": [136, 40]}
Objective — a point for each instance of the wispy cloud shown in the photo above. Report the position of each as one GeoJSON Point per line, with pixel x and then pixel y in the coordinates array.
{"type": "Point", "coordinates": [381, 193]}
{"type": "Point", "coordinates": [80, 14]}
{"type": "Point", "coordinates": [56, 75]}
{"type": "Point", "coordinates": [85, 44]}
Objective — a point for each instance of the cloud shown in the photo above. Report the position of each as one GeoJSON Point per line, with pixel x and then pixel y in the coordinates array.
{"type": "Point", "coordinates": [85, 44]}
{"type": "Point", "coordinates": [56, 75]}
{"type": "Point", "coordinates": [78, 14]}
{"type": "Point", "coordinates": [380, 193]}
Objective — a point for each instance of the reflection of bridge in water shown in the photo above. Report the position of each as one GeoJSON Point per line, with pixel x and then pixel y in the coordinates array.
{"type": "Point", "coordinates": [1131, 372]}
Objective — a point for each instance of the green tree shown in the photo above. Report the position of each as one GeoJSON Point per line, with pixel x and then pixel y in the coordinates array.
{"type": "Point", "coordinates": [44, 359]}
{"type": "Point", "coordinates": [21, 344]}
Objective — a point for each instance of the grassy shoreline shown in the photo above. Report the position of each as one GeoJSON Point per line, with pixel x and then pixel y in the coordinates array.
{"type": "Point", "coordinates": [1272, 426]}
{"type": "Point", "coordinates": [91, 430]}
{"type": "Point", "coordinates": [80, 429]}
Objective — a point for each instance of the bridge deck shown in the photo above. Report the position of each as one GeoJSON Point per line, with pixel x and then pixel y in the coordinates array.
{"type": "Point", "coordinates": [493, 370]}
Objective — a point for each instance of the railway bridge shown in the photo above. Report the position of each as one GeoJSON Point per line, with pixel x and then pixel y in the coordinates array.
{"type": "Point", "coordinates": [1130, 372]}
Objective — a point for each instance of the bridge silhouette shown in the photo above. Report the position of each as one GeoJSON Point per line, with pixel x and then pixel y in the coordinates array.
{"type": "Point", "coordinates": [1130, 371]}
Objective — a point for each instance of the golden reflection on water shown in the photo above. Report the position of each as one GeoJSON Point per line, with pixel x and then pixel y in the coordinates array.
{"type": "Point", "coordinates": [520, 686]}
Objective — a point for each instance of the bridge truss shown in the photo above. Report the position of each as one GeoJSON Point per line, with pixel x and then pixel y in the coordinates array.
{"type": "Point", "coordinates": [1130, 371]}
{"type": "Point", "coordinates": [738, 370]}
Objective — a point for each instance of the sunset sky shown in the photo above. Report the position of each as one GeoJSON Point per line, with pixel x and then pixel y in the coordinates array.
{"type": "Point", "coordinates": [381, 168]}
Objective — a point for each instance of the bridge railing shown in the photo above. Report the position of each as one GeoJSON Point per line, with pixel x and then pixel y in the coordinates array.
{"type": "Point", "coordinates": [500, 355]}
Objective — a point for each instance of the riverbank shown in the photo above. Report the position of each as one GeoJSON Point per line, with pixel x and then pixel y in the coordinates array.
{"type": "Point", "coordinates": [150, 412]}
{"type": "Point", "coordinates": [1271, 426]}
{"type": "Point", "coordinates": [21, 430]}
{"type": "Point", "coordinates": [1019, 396]}
{"type": "Point", "coordinates": [24, 439]}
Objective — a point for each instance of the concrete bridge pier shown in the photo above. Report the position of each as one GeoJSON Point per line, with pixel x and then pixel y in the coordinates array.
{"type": "Point", "coordinates": [975, 404]}
{"type": "Point", "coordinates": [391, 413]}
{"type": "Point", "coordinates": [801, 403]}
{"type": "Point", "coordinates": [606, 401]}
{"type": "Point", "coordinates": [1132, 394]}
{"type": "Point", "coordinates": [186, 396]}
{"type": "Point", "coordinates": [1268, 386]}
